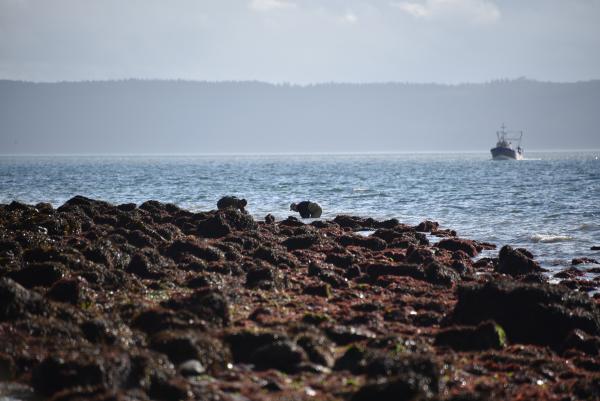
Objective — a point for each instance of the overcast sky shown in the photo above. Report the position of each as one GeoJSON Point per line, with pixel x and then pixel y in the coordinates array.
{"type": "Point", "coordinates": [300, 41]}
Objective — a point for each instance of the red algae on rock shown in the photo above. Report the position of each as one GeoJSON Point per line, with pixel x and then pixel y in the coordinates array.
{"type": "Point", "coordinates": [101, 301]}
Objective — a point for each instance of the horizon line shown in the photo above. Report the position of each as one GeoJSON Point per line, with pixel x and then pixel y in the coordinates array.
{"type": "Point", "coordinates": [296, 84]}
{"type": "Point", "coordinates": [225, 154]}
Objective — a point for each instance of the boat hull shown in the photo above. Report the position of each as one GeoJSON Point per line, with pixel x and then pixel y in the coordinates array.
{"type": "Point", "coordinates": [500, 153]}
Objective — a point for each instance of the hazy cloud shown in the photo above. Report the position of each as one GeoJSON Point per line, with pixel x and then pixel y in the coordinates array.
{"type": "Point", "coordinates": [300, 41]}
{"type": "Point", "coordinates": [477, 11]}
{"type": "Point", "coordinates": [267, 5]}
{"type": "Point", "coordinates": [349, 17]}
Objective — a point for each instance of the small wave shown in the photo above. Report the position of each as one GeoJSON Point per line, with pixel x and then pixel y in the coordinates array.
{"type": "Point", "coordinates": [360, 189]}
{"type": "Point", "coordinates": [549, 238]}
{"type": "Point", "coordinates": [588, 227]}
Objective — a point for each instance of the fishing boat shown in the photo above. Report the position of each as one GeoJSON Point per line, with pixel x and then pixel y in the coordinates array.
{"type": "Point", "coordinates": [505, 150]}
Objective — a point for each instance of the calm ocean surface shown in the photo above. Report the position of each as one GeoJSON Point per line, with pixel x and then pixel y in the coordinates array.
{"type": "Point", "coordinates": [549, 203]}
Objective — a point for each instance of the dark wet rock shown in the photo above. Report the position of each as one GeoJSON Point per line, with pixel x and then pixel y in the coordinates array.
{"type": "Point", "coordinates": [527, 311]}
{"type": "Point", "coordinates": [485, 263]}
{"type": "Point", "coordinates": [399, 269]}
{"type": "Point", "coordinates": [353, 272]}
{"type": "Point", "coordinates": [353, 360]}
{"type": "Point", "coordinates": [80, 368]}
{"type": "Point", "coordinates": [386, 364]}
{"type": "Point", "coordinates": [595, 248]}
{"type": "Point", "coordinates": [437, 273]}
{"type": "Point", "coordinates": [181, 346]}
{"type": "Point", "coordinates": [581, 285]}
{"type": "Point", "coordinates": [167, 388]}
{"type": "Point", "coordinates": [231, 202]}
{"type": "Point", "coordinates": [138, 238]}
{"type": "Point", "coordinates": [214, 227]}
{"type": "Point", "coordinates": [281, 355]}
{"type": "Point", "coordinates": [459, 267]}
{"type": "Point", "coordinates": [99, 331]}
{"type": "Point", "coordinates": [580, 261]}
{"type": "Point", "coordinates": [406, 378]}
{"type": "Point", "coordinates": [44, 255]}
{"type": "Point", "coordinates": [319, 290]}
{"type": "Point", "coordinates": [393, 389]}
{"type": "Point", "coordinates": [39, 274]}
{"type": "Point", "coordinates": [401, 239]}
{"type": "Point", "coordinates": [291, 221]}
{"type": "Point", "coordinates": [141, 266]}
{"type": "Point", "coordinates": [179, 248]}
{"type": "Point", "coordinates": [263, 276]}
{"type": "Point", "coordinates": [207, 304]}
{"type": "Point", "coordinates": [275, 256]}
{"type": "Point", "coordinates": [427, 226]}
{"type": "Point", "coordinates": [269, 219]}
{"type": "Point", "coordinates": [372, 243]}
{"type": "Point", "coordinates": [16, 302]}
{"type": "Point", "coordinates": [533, 278]}
{"type": "Point", "coordinates": [352, 222]}
{"type": "Point", "coordinates": [387, 224]}
{"type": "Point", "coordinates": [127, 207]}
{"type": "Point", "coordinates": [333, 279]}
{"type": "Point", "coordinates": [200, 281]}
{"type": "Point", "coordinates": [157, 319]}
{"type": "Point", "coordinates": [418, 254]}
{"type": "Point", "coordinates": [458, 244]}
{"type": "Point", "coordinates": [232, 251]}
{"type": "Point", "coordinates": [192, 263]}
{"type": "Point", "coordinates": [344, 335]}
{"type": "Point", "coordinates": [301, 241]}
{"type": "Point", "coordinates": [317, 348]}
{"type": "Point", "coordinates": [343, 260]}
{"type": "Point", "coordinates": [487, 335]}
{"type": "Point", "coordinates": [99, 394]}
{"type": "Point", "coordinates": [516, 262]}
{"type": "Point", "coordinates": [244, 343]}
{"type": "Point", "coordinates": [69, 290]}
{"type": "Point", "coordinates": [582, 341]}
{"type": "Point", "coordinates": [569, 273]}
{"type": "Point", "coordinates": [315, 319]}
{"type": "Point", "coordinates": [7, 368]}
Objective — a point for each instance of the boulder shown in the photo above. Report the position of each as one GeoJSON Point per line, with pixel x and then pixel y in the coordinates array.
{"type": "Point", "coordinates": [301, 241]}
{"type": "Point", "coordinates": [516, 262]}
{"type": "Point", "coordinates": [38, 274]}
{"type": "Point", "coordinates": [108, 369]}
{"type": "Point", "coordinates": [459, 244]}
{"type": "Point", "coordinates": [372, 243]}
{"type": "Point", "coordinates": [530, 313]}
{"type": "Point", "coordinates": [16, 302]}
{"type": "Point", "coordinates": [437, 273]}
{"type": "Point", "coordinates": [280, 355]}
{"type": "Point", "coordinates": [580, 261]}
{"type": "Point", "coordinates": [427, 226]}
{"type": "Point", "coordinates": [182, 346]}
{"type": "Point", "coordinates": [486, 335]}
{"type": "Point", "coordinates": [244, 343]}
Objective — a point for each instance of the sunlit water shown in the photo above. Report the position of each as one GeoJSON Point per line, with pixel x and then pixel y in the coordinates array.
{"type": "Point", "coordinates": [549, 203]}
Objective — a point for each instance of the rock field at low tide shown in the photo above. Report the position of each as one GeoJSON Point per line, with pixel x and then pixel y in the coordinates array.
{"type": "Point", "coordinates": [128, 302]}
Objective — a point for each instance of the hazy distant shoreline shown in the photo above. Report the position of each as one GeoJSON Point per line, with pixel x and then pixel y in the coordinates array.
{"type": "Point", "coordinates": [175, 117]}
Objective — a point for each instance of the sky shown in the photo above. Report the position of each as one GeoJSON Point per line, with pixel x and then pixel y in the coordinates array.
{"type": "Point", "coordinates": [300, 41]}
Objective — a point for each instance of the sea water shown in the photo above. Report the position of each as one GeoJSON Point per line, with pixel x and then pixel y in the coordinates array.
{"type": "Point", "coordinates": [548, 203]}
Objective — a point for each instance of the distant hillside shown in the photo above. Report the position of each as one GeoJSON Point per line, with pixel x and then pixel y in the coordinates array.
{"type": "Point", "coordinates": [201, 117]}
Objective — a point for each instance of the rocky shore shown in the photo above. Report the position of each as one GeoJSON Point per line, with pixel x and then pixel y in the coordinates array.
{"type": "Point", "coordinates": [127, 302]}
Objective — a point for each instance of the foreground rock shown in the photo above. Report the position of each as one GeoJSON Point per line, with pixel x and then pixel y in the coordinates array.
{"type": "Point", "coordinates": [101, 301]}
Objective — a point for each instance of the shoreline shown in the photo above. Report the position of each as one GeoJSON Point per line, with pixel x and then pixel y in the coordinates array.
{"type": "Point", "coordinates": [158, 302]}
